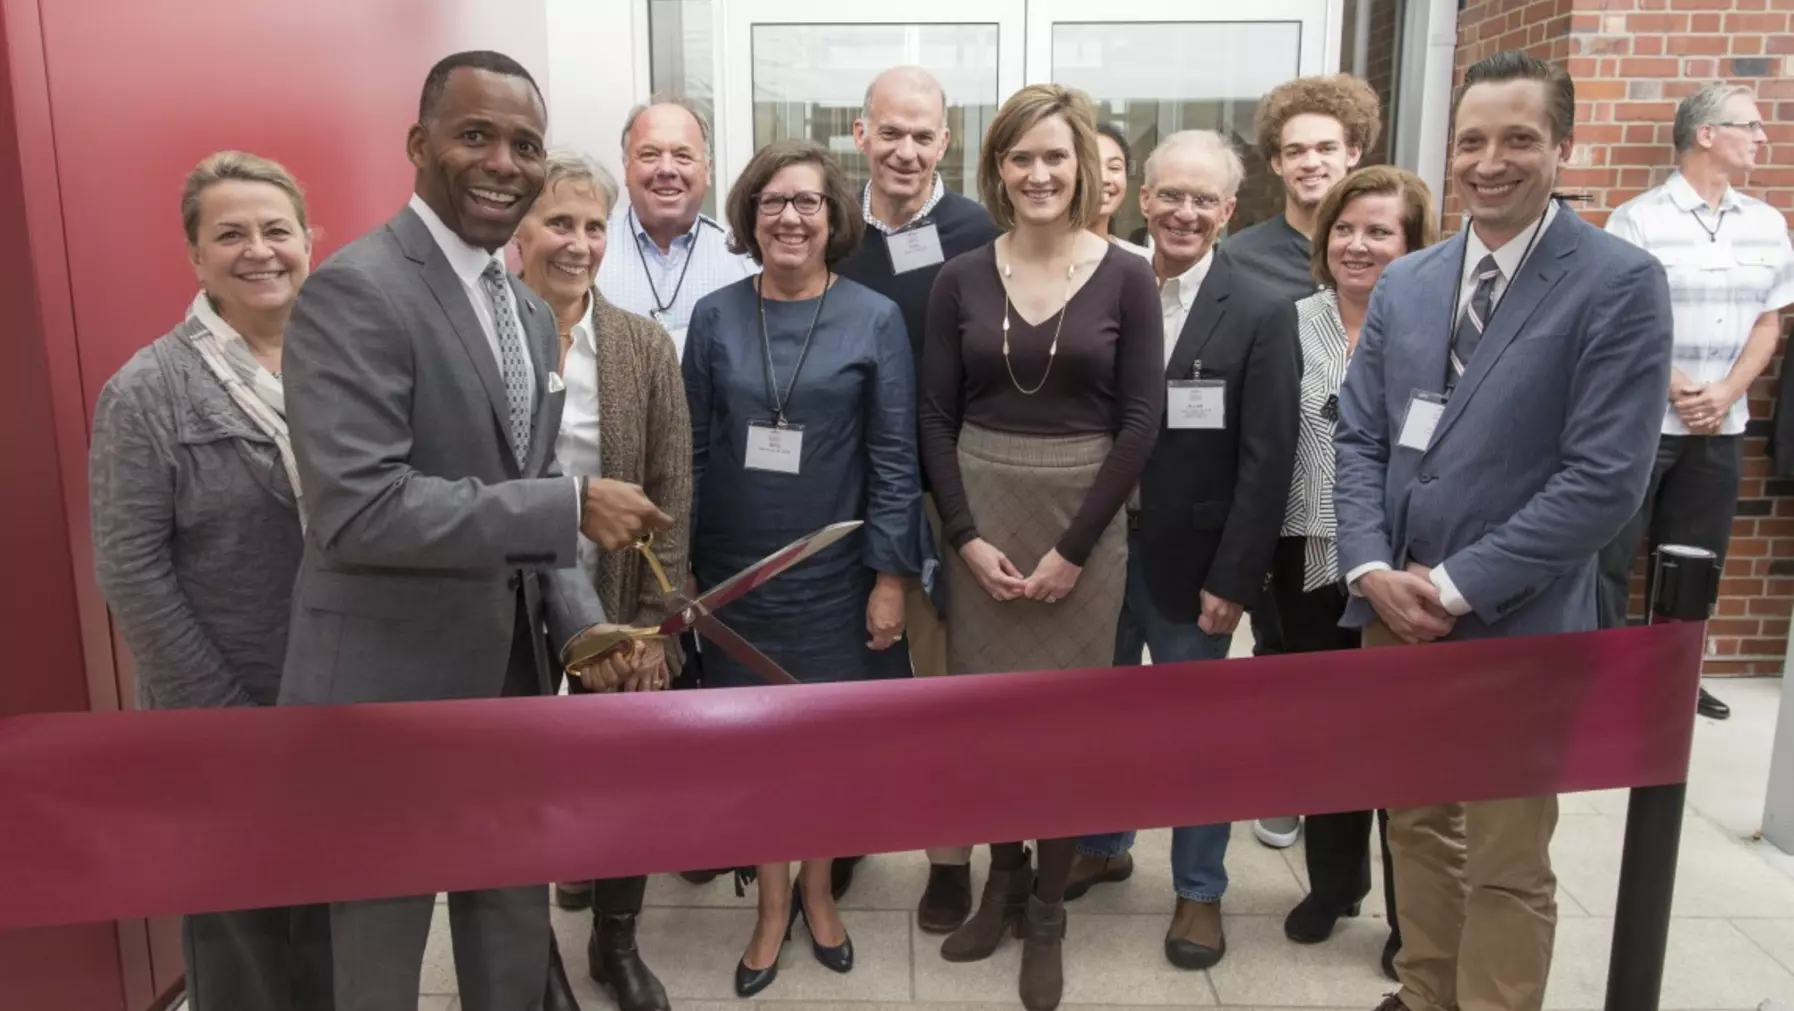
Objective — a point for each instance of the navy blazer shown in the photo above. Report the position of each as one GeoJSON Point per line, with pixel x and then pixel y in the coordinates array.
{"type": "Point", "coordinates": [1545, 448]}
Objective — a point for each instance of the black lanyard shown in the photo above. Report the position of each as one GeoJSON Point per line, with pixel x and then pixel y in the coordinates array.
{"type": "Point", "coordinates": [691, 253]}
{"type": "Point", "coordinates": [1712, 233]}
{"type": "Point", "coordinates": [779, 404]}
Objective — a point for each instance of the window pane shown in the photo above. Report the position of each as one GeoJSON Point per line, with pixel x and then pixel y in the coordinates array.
{"type": "Point", "coordinates": [682, 62]}
{"type": "Point", "coordinates": [1153, 80]}
{"type": "Point", "coordinates": [809, 81]}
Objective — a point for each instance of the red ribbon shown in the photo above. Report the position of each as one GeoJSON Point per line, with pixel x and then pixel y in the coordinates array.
{"type": "Point", "coordinates": [122, 815]}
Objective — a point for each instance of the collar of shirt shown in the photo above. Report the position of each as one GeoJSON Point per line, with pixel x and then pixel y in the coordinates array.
{"type": "Point", "coordinates": [1681, 193]}
{"type": "Point", "coordinates": [468, 262]}
{"type": "Point", "coordinates": [1183, 289]}
{"type": "Point", "coordinates": [1508, 257]}
{"type": "Point", "coordinates": [940, 190]}
{"type": "Point", "coordinates": [642, 238]}
{"type": "Point", "coordinates": [585, 332]}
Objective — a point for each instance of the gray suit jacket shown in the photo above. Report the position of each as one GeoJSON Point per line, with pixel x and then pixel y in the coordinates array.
{"type": "Point", "coordinates": [422, 529]}
{"type": "Point", "coordinates": [1545, 447]}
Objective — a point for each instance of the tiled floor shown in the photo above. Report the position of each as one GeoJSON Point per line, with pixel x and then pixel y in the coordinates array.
{"type": "Point", "coordinates": [1731, 949]}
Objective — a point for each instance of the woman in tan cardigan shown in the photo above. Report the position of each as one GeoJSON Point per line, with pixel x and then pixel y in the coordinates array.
{"type": "Point", "coordinates": [625, 418]}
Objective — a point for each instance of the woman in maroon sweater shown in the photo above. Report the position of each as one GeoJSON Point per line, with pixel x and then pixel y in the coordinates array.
{"type": "Point", "coordinates": [1043, 381]}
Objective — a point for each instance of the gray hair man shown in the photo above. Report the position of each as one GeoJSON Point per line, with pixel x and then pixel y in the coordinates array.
{"type": "Point", "coordinates": [669, 253]}
{"type": "Point", "coordinates": [914, 223]}
{"type": "Point", "coordinates": [1210, 504]}
{"type": "Point", "coordinates": [1730, 275]}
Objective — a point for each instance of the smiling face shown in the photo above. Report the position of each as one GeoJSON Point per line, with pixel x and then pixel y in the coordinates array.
{"type": "Point", "coordinates": [479, 157]}
{"type": "Point", "coordinates": [1040, 173]}
{"type": "Point", "coordinates": [903, 136]}
{"type": "Point", "coordinates": [667, 169]}
{"type": "Point", "coordinates": [562, 241]}
{"type": "Point", "coordinates": [1503, 160]}
{"type": "Point", "coordinates": [1186, 206]}
{"type": "Point", "coordinates": [1114, 175]}
{"type": "Point", "coordinates": [250, 254]}
{"type": "Point", "coordinates": [1313, 156]}
{"type": "Point", "coordinates": [794, 235]}
{"type": "Point", "coordinates": [1366, 237]}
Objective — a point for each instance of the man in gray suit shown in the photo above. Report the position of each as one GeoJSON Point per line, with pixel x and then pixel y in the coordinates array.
{"type": "Point", "coordinates": [1490, 444]}
{"type": "Point", "coordinates": [441, 538]}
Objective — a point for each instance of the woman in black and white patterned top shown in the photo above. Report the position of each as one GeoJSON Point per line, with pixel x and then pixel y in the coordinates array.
{"type": "Point", "coordinates": [1375, 215]}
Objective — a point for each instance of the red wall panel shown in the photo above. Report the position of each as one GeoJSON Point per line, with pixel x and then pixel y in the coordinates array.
{"type": "Point", "coordinates": [107, 104]}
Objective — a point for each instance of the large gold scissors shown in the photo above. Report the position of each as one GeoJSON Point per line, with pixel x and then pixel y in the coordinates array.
{"type": "Point", "coordinates": [696, 614]}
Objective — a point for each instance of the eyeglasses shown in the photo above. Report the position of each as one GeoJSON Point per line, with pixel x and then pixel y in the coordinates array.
{"type": "Point", "coordinates": [773, 204]}
{"type": "Point", "coordinates": [1177, 199]}
{"type": "Point", "coordinates": [1754, 126]}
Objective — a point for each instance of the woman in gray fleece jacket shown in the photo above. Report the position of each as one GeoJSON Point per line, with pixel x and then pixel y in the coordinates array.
{"type": "Point", "coordinates": [197, 531]}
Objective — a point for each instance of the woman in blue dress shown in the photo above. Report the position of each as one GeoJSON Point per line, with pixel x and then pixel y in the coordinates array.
{"type": "Point", "coordinates": [802, 393]}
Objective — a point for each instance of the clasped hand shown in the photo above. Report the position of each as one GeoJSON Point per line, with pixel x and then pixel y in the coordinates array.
{"type": "Point", "coordinates": [1701, 408]}
{"type": "Point", "coordinates": [638, 665]}
{"type": "Point", "coordinates": [1408, 603]}
{"type": "Point", "coordinates": [1052, 580]}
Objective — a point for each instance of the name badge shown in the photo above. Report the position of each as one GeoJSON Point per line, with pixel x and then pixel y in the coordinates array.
{"type": "Point", "coordinates": [1424, 412]}
{"type": "Point", "coordinates": [774, 448]}
{"type": "Point", "coordinates": [915, 248]}
{"type": "Point", "coordinates": [1196, 403]}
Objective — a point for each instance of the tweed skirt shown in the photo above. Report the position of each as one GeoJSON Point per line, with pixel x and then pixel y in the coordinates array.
{"type": "Point", "coordinates": [1023, 491]}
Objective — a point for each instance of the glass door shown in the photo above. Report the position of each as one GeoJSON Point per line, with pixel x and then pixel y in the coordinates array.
{"type": "Point", "coordinates": [1154, 67]}
{"type": "Point", "coordinates": [799, 68]}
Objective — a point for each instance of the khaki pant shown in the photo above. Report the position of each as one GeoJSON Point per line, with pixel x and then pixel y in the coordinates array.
{"type": "Point", "coordinates": [927, 635]}
{"type": "Point", "coordinates": [1476, 898]}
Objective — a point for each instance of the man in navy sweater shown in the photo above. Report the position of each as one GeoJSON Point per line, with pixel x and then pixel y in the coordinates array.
{"type": "Point", "coordinates": [915, 224]}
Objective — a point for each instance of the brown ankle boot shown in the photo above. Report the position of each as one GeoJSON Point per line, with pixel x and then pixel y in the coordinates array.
{"type": "Point", "coordinates": [1043, 968]}
{"type": "Point", "coordinates": [1000, 911]}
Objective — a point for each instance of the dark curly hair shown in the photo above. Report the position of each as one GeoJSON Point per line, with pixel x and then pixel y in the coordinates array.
{"type": "Point", "coordinates": [1348, 99]}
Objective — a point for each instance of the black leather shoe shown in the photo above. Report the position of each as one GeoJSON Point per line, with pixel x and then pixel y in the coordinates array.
{"type": "Point", "coordinates": [701, 877]}
{"type": "Point", "coordinates": [558, 995]}
{"type": "Point", "coordinates": [749, 982]}
{"type": "Point", "coordinates": [840, 875]}
{"type": "Point", "coordinates": [617, 966]}
{"type": "Point", "coordinates": [838, 958]}
{"type": "Point", "coordinates": [1712, 708]}
{"type": "Point", "coordinates": [1312, 922]}
{"type": "Point", "coordinates": [948, 900]}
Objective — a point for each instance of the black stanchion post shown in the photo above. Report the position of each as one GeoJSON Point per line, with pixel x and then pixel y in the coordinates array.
{"type": "Point", "coordinates": [1685, 585]}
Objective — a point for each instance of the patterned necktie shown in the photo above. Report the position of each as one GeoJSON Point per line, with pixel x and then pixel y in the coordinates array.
{"type": "Point", "coordinates": [511, 363]}
{"type": "Point", "coordinates": [1469, 330]}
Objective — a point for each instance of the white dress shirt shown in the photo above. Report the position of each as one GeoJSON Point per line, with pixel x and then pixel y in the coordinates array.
{"type": "Point", "coordinates": [637, 276]}
{"type": "Point", "coordinates": [578, 445]}
{"type": "Point", "coordinates": [1177, 295]}
{"type": "Point", "coordinates": [468, 263]}
{"type": "Point", "coordinates": [1508, 259]}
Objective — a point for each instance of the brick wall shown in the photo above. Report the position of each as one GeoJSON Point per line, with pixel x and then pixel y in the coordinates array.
{"type": "Point", "coordinates": [1633, 60]}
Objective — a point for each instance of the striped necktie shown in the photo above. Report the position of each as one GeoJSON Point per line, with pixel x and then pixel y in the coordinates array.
{"type": "Point", "coordinates": [512, 366]}
{"type": "Point", "coordinates": [1469, 331]}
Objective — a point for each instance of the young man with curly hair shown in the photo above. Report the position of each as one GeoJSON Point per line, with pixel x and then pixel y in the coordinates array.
{"type": "Point", "coordinates": [1311, 131]}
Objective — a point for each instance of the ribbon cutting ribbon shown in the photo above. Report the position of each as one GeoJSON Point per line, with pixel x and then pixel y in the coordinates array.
{"type": "Point", "coordinates": [697, 614]}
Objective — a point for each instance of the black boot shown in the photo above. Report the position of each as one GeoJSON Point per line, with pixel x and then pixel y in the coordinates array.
{"type": "Point", "coordinates": [559, 993]}
{"type": "Point", "coordinates": [615, 963]}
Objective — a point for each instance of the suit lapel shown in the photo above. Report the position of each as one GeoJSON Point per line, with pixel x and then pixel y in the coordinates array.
{"type": "Point", "coordinates": [1535, 279]}
{"type": "Point", "coordinates": [452, 296]}
{"type": "Point", "coordinates": [1204, 319]}
{"type": "Point", "coordinates": [1432, 355]}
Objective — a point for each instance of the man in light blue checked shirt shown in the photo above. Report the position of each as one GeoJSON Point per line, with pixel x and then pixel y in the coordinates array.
{"type": "Point", "coordinates": [1731, 272]}
{"type": "Point", "coordinates": [664, 253]}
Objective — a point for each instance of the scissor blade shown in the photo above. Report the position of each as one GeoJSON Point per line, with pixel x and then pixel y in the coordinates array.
{"type": "Point", "coordinates": [742, 650]}
{"type": "Point", "coordinates": [761, 571]}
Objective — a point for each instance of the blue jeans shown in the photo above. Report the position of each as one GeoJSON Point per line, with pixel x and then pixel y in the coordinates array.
{"type": "Point", "coordinates": [1198, 852]}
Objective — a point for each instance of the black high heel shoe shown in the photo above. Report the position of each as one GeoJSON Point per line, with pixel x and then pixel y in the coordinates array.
{"type": "Point", "coordinates": [749, 982]}
{"type": "Point", "coordinates": [838, 958]}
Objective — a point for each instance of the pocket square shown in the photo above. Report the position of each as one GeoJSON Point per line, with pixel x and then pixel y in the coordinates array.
{"type": "Point", "coordinates": [554, 383]}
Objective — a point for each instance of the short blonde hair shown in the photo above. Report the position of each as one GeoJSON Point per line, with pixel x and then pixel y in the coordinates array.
{"type": "Point", "coordinates": [1212, 145]}
{"type": "Point", "coordinates": [1021, 113]}
{"type": "Point", "coordinates": [235, 166]}
{"type": "Point", "coordinates": [1420, 222]}
{"type": "Point", "coordinates": [565, 166]}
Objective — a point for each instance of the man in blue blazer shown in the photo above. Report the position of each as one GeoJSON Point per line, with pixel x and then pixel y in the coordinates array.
{"type": "Point", "coordinates": [1496, 429]}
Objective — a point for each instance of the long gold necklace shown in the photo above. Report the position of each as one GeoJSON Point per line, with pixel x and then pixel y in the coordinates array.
{"type": "Point", "coordinates": [1071, 270]}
